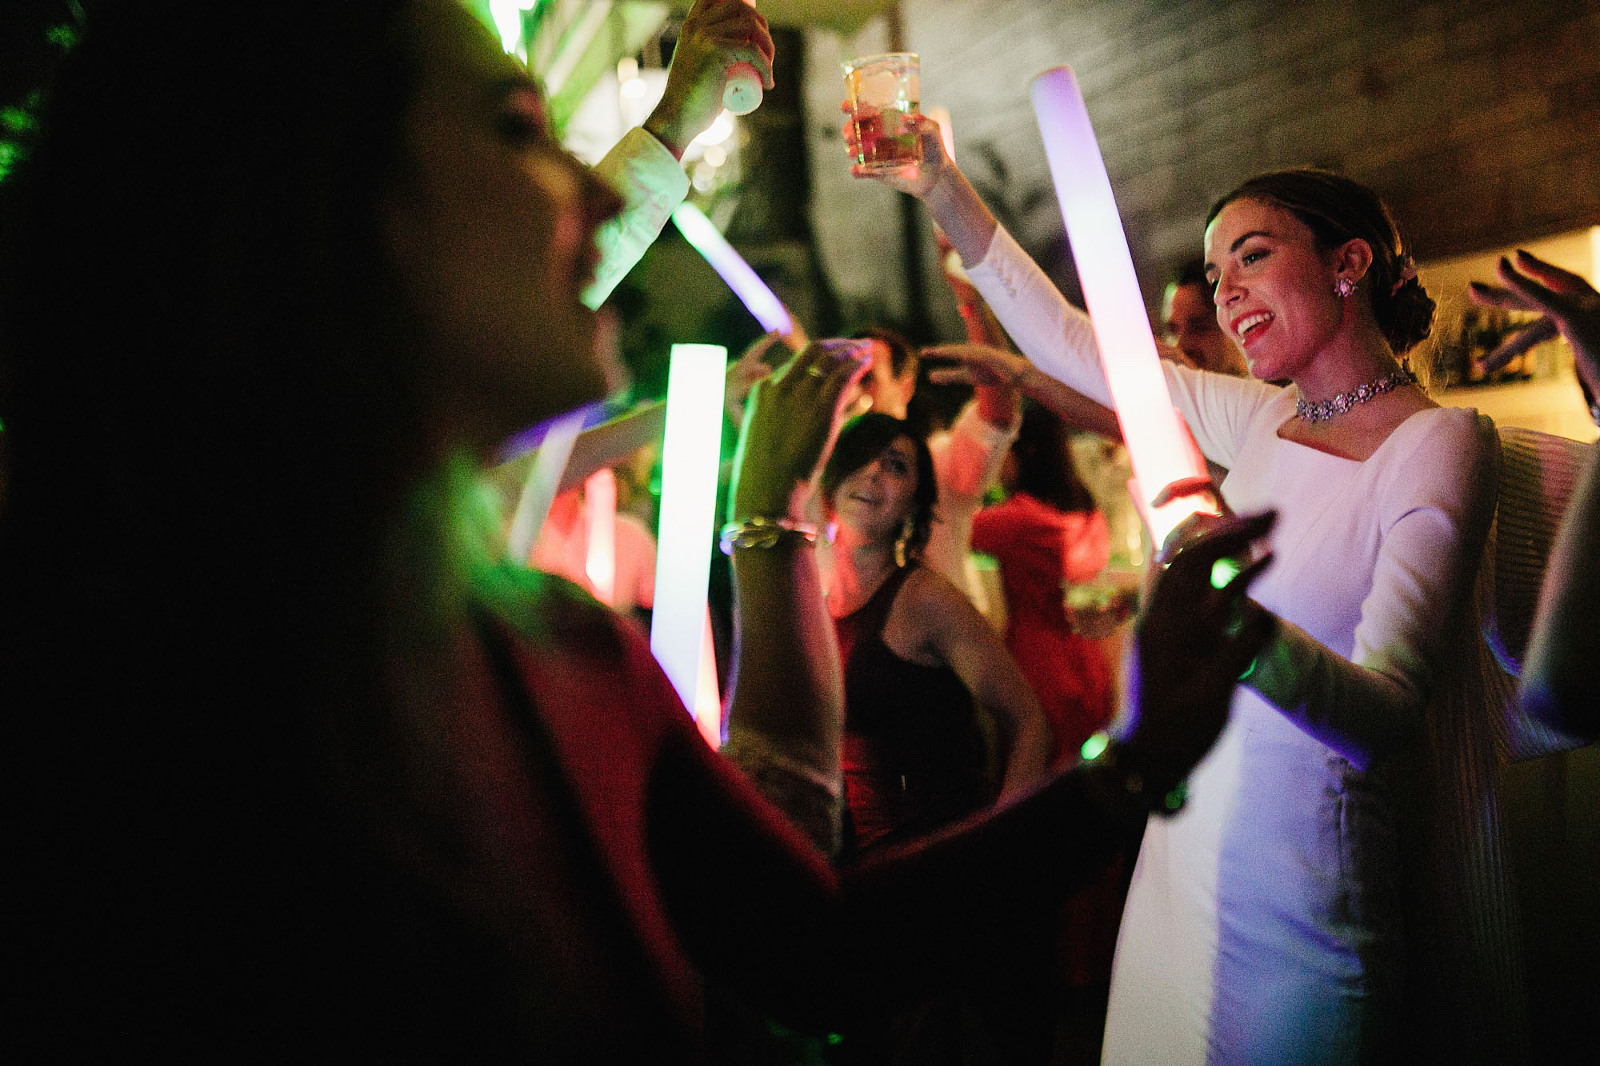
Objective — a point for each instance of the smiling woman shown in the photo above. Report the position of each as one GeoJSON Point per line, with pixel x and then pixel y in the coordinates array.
{"type": "Point", "coordinates": [1349, 804]}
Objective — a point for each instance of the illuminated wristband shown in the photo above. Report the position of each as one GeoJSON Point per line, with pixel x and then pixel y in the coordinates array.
{"type": "Point", "coordinates": [1099, 751]}
{"type": "Point", "coordinates": [758, 531]}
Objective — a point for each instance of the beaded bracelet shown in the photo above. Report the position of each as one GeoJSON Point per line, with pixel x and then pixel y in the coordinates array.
{"type": "Point", "coordinates": [759, 531]}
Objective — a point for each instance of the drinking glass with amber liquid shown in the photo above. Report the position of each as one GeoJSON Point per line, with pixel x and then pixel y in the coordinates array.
{"type": "Point", "coordinates": [881, 91]}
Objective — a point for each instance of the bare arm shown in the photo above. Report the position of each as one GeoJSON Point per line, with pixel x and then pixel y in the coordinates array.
{"type": "Point", "coordinates": [643, 167]}
{"type": "Point", "coordinates": [1558, 678]}
{"type": "Point", "coordinates": [998, 402]}
{"type": "Point", "coordinates": [984, 363]}
{"type": "Point", "coordinates": [788, 691]}
{"type": "Point", "coordinates": [961, 637]}
{"type": "Point", "coordinates": [955, 205]}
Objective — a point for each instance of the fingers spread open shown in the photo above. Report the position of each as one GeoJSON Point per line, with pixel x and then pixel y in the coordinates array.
{"type": "Point", "coordinates": [1560, 280]}
{"type": "Point", "coordinates": [1488, 295]}
{"type": "Point", "coordinates": [1541, 297]}
{"type": "Point", "coordinates": [950, 375]}
{"type": "Point", "coordinates": [1536, 332]}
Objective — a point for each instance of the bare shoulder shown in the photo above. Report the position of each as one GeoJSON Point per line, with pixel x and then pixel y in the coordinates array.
{"type": "Point", "coordinates": [928, 590]}
{"type": "Point", "coordinates": [928, 614]}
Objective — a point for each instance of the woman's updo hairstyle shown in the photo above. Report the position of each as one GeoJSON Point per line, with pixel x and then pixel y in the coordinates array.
{"type": "Point", "coordinates": [861, 441]}
{"type": "Point", "coordinates": [1338, 209]}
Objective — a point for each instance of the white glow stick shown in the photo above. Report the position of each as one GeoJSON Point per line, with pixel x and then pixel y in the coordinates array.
{"type": "Point", "coordinates": [690, 456]}
{"type": "Point", "coordinates": [600, 514]}
{"type": "Point", "coordinates": [1158, 443]}
{"type": "Point", "coordinates": [754, 293]}
{"type": "Point", "coordinates": [533, 506]}
{"type": "Point", "coordinates": [741, 91]}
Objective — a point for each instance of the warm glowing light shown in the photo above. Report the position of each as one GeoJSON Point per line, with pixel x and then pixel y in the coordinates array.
{"type": "Point", "coordinates": [600, 514]}
{"type": "Point", "coordinates": [533, 506]}
{"type": "Point", "coordinates": [1158, 442]}
{"type": "Point", "coordinates": [720, 130]}
{"type": "Point", "coordinates": [691, 452]}
{"type": "Point", "coordinates": [761, 301]}
{"type": "Point", "coordinates": [715, 155]}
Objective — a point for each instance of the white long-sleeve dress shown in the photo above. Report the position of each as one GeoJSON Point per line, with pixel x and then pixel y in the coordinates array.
{"type": "Point", "coordinates": [1279, 917]}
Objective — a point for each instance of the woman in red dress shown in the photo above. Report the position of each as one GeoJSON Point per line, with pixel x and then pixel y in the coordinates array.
{"type": "Point", "coordinates": [1048, 534]}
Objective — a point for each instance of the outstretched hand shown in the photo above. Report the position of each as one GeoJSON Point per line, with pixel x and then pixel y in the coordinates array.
{"type": "Point", "coordinates": [716, 35]}
{"type": "Point", "coordinates": [790, 423]}
{"type": "Point", "coordinates": [976, 364]}
{"type": "Point", "coordinates": [1193, 640]}
{"type": "Point", "coordinates": [1570, 305]}
{"type": "Point", "coordinates": [914, 178]}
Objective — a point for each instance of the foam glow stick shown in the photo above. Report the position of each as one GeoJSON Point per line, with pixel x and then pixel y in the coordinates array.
{"type": "Point", "coordinates": [1158, 442]}
{"type": "Point", "coordinates": [600, 514]}
{"type": "Point", "coordinates": [760, 300]}
{"type": "Point", "coordinates": [690, 454]}
{"type": "Point", "coordinates": [533, 506]}
{"type": "Point", "coordinates": [707, 700]}
{"type": "Point", "coordinates": [741, 92]}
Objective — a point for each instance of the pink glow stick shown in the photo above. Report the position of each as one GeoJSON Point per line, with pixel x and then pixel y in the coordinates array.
{"type": "Point", "coordinates": [600, 512]}
{"type": "Point", "coordinates": [1158, 442]}
{"type": "Point", "coordinates": [707, 699]}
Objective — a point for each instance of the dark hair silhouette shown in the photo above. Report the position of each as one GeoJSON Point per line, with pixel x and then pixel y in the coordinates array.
{"type": "Point", "coordinates": [212, 397]}
{"type": "Point", "coordinates": [1044, 468]}
{"type": "Point", "coordinates": [902, 353]}
{"type": "Point", "coordinates": [1190, 272]}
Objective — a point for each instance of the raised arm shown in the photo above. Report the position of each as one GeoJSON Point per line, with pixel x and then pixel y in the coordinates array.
{"type": "Point", "coordinates": [976, 363]}
{"type": "Point", "coordinates": [969, 645]}
{"type": "Point", "coordinates": [1558, 678]}
{"type": "Point", "coordinates": [1052, 333]}
{"type": "Point", "coordinates": [643, 167]}
{"type": "Point", "coordinates": [786, 717]}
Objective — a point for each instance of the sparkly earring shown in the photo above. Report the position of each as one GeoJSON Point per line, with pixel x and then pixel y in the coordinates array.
{"type": "Point", "coordinates": [1343, 288]}
{"type": "Point", "coordinates": [903, 542]}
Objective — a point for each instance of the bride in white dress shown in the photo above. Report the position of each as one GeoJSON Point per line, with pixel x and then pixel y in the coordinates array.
{"type": "Point", "coordinates": [1292, 911]}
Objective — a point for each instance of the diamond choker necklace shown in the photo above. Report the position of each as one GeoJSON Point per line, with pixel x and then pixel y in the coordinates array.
{"type": "Point", "coordinates": [1322, 410]}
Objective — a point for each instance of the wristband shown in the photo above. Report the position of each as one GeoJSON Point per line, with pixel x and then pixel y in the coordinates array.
{"type": "Point", "coordinates": [759, 531]}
